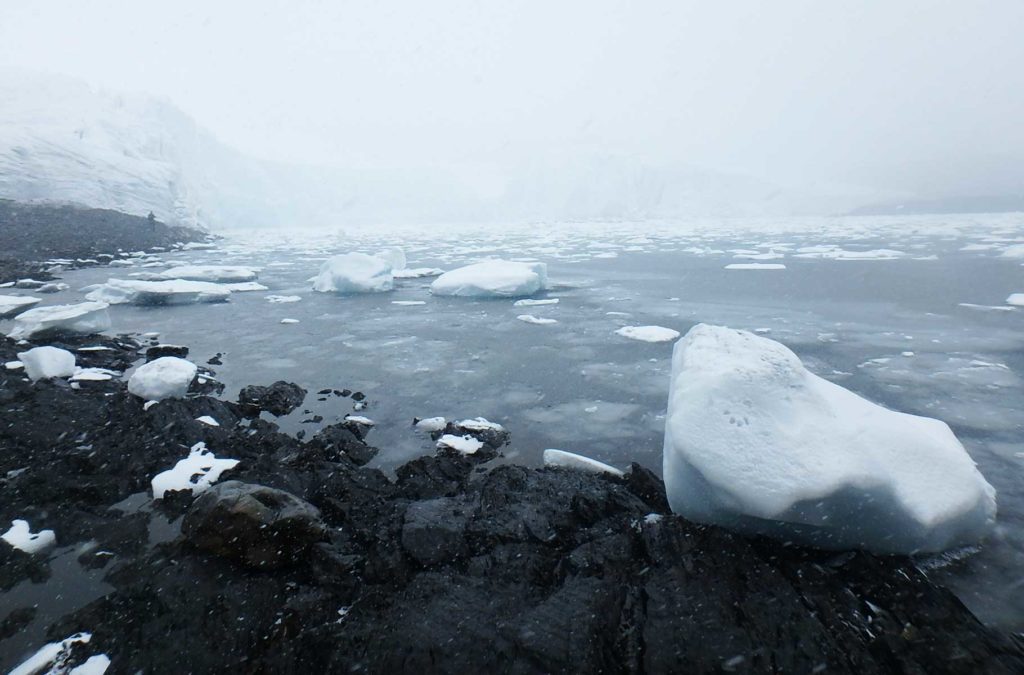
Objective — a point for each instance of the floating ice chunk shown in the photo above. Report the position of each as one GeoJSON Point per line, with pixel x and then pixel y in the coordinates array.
{"type": "Point", "coordinates": [394, 257]}
{"type": "Point", "coordinates": [85, 317]}
{"type": "Point", "coordinates": [55, 287]}
{"type": "Point", "coordinates": [479, 424]}
{"type": "Point", "coordinates": [418, 272]}
{"type": "Point", "coordinates": [53, 658]}
{"type": "Point", "coordinates": [755, 266]}
{"type": "Point", "coordinates": [431, 424]}
{"type": "Point", "coordinates": [755, 442]}
{"type": "Point", "coordinates": [197, 472]}
{"type": "Point", "coordinates": [648, 333]}
{"type": "Point", "coordinates": [1015, 251]}
{"type": "Point", "coordinates": [408, 303]}
{"type": "Point", "coordinates": [43, 363]}
{"type": "Point", "coordinates": [354, 273]}
{"type": "Point", "coordinates": [206, 419]}
{"type": "Point", "coordinates": [530, 318]}
{"type": "Point", "coordinates": [528, 302]}
{"type": "Point", "coordinates": [14, 365]}
{"type": "Point", "coordinates": [169, 292]}
{"type": "Point", "coordinates": [93, 375]}
{"type": "Point", "coordinates": [492, 279]}
{"type": "Point", "coordinates": [1016, 299]}
{"type": "Point", "coordinates": [987, 308]}
{"type": "Point", "coordinates": [165, 377]}
{"type": "Point", "coordinates": [244, 287]}
{"type": "Point", "coordinates": [214, 273]}
{"type": "Point", "coordinates": [467, 445]}
{"type": "Point", "coordinates": [570, 460]}
{"type": "Point", "coordinates": [279, 299]}
{"type": "Point", "coordinates": [289, 321]}
{"type": "Point", "coordinates": [21, 537]}
{"type": "Point", "coordinates": [13, 304]}
{"type": "Point", "coordinates": [748, 255]}
{"type": "Point", "coordinates": [359, 419]}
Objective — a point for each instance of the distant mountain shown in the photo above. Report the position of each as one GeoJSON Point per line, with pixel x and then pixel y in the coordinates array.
{"type": "Point", "coordinates": [63, 141]}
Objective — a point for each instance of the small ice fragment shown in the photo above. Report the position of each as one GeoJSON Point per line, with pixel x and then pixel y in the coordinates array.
{"type": "Point", "coordinates": [197, 472]}
{"type": "Point", "coordinates": [21, 537]}
{"type": "Point", "coordinates": [467, 445]}
{"type": "Point", "coordinates": [206, 419]}
{"type": "Point", "coordinates": [648, 333]}
{"type": "Point", "coordinates": [570, 460]}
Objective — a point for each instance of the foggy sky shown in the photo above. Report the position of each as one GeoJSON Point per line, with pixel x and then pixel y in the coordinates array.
{"type": "Point", "coordinates": [922, 95]}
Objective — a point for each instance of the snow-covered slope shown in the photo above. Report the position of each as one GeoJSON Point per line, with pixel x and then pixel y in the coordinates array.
{"type": "Point", "coordinates": [63, 141]}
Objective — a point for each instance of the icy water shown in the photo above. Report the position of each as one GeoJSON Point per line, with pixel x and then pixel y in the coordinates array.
{"type": "Point", "coordinates": [874, 304]}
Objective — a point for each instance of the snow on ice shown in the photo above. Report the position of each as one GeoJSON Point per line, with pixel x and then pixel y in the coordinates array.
{"type": "Point", "coordinates": [757, 443]}
{"type": "Point", "coordinates": [197, 472]}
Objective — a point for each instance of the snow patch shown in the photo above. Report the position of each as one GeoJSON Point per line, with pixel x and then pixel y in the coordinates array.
{"type": "Point", "coordinates": [21, 537]}
{"type": "Point", "coordinates": [197, 472]}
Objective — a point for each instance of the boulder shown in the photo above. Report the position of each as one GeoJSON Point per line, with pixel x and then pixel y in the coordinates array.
{"type": "Point", "coordinates": [279, 398]}
{"type": "Point", "coordinates": [255, 525]}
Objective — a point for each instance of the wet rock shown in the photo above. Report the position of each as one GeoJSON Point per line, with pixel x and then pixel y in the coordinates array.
{"type": "Point", "coordinates": [278, 399]}
{"type": "Point", "coordinates": [344, 438]}
{"type": "Point", "coordinates": [433, 531]}
{"type": "Point", "coordinates": [256, 525]}
{"type": "Point", "coordinates": [157, 351]}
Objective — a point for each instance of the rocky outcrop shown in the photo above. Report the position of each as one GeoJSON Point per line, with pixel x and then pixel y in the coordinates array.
{"type": "Point", "coordinates": [306, 560]}
{"type": "Point", "coordinates": [277, 399]}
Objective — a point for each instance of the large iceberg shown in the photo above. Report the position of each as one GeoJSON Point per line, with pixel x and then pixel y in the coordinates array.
{"type": "Point", "coordinates": [211, 273]}
{"type": "Point", "coordinates": [493, 279]}
{"type": "Point", "coordinates": [354, 273]}
{"type": "Point", "coordinates": [756, 443]}
{"type": "Point", "coordinates": [169, 292]}
{"type": "Point", "coordinates": [85, 317]}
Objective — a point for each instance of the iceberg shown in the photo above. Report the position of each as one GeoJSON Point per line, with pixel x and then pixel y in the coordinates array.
{"type": "Point", "coordinates": [212, 273]}
{"type": "Point", "coordinates": [394, 257]}
{"type": "Point", "coordinates": [169, 292]}
{"type": "Point", "coordinates": [757, 443]}
{"type": "Point", "coordinates": [44, 363]}
{"type": "Point", "coordinates": [165, 377]}
{"type": "Point", "coordinates": [354, 273]}
{"type": "Point", "coordinates": [13, 304]}
{"type": "Point", "coordinates": [493, 279]}
{"type": "Point", "coordinates": [85, 317]}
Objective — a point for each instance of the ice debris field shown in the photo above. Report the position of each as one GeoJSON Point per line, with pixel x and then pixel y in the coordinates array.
{"type": "Point", "coordinates": [865, 393]}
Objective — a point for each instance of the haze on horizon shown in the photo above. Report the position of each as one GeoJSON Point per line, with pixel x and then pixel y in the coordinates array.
{"type": "Point", "coordinates": [912, 96]}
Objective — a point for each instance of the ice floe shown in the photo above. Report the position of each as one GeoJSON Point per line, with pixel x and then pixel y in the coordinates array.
{"type": "Point", "coordinates": [165, 377]}
{"type": "Point", "coordinates": [43, 363]}
{"type": "Point", "coordinates": [530, 318]}
{"type": "Point", "coordinates": [21, 537]}
{"type": "Point", "coordinates": [648, 333]}
{"type": "Point", "coordinates": [13, 304]}
{"type": "Point", "coordinates": [1016, 299]}
{"type": "Point", "coordinates": [530, 302]}
{"type": "Point", "coordinates": [755, 266]}
{"type": "Point", "coordinates": [168, 292]}
{"type": "Point", "coordinates": [492, 279]}
{"type": "Point", "coordinates": [570, 460]}
{"type": "Point", "coordinates": [197, 472]}
{"type": "Point", "coordinates": [354, 273]}
{"type": "Point", "coordinates": [281, 299]}
{"type": "Point", "coordinates": [431, 424]}
{"type": "Point", "coordinates": [213, 273]}
{"type": "Point", "coordinates": [84, 317]}
{"type": "Point", "coordinates": [417, 272]}
{"type": "Point", "coordinates": [755, 442]}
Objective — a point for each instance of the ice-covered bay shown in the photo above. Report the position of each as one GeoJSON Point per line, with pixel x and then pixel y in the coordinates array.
{"type": "Point", "coordinates": [901, 330]}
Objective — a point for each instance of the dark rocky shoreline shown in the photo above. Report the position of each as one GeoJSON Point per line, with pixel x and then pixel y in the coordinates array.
{"type": "Point", "coordinates": [35, 233]}
{"type": "Point", "coordinates": [456, 564]}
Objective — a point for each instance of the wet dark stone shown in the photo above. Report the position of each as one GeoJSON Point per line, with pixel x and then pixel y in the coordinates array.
{"type": "Point", "coordinates": [158, 351]}
{"type": "Point", "coordinates": [256, 525]}
{"type": "Point", "coordinates": [280, 398]}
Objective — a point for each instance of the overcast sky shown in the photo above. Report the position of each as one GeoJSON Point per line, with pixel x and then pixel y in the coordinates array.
{"type": "Point", "coordinates": [923, 92]}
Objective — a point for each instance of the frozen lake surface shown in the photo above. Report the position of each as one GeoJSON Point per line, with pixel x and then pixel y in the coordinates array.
{"type": "Point", "coordinates": [909, 312]}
